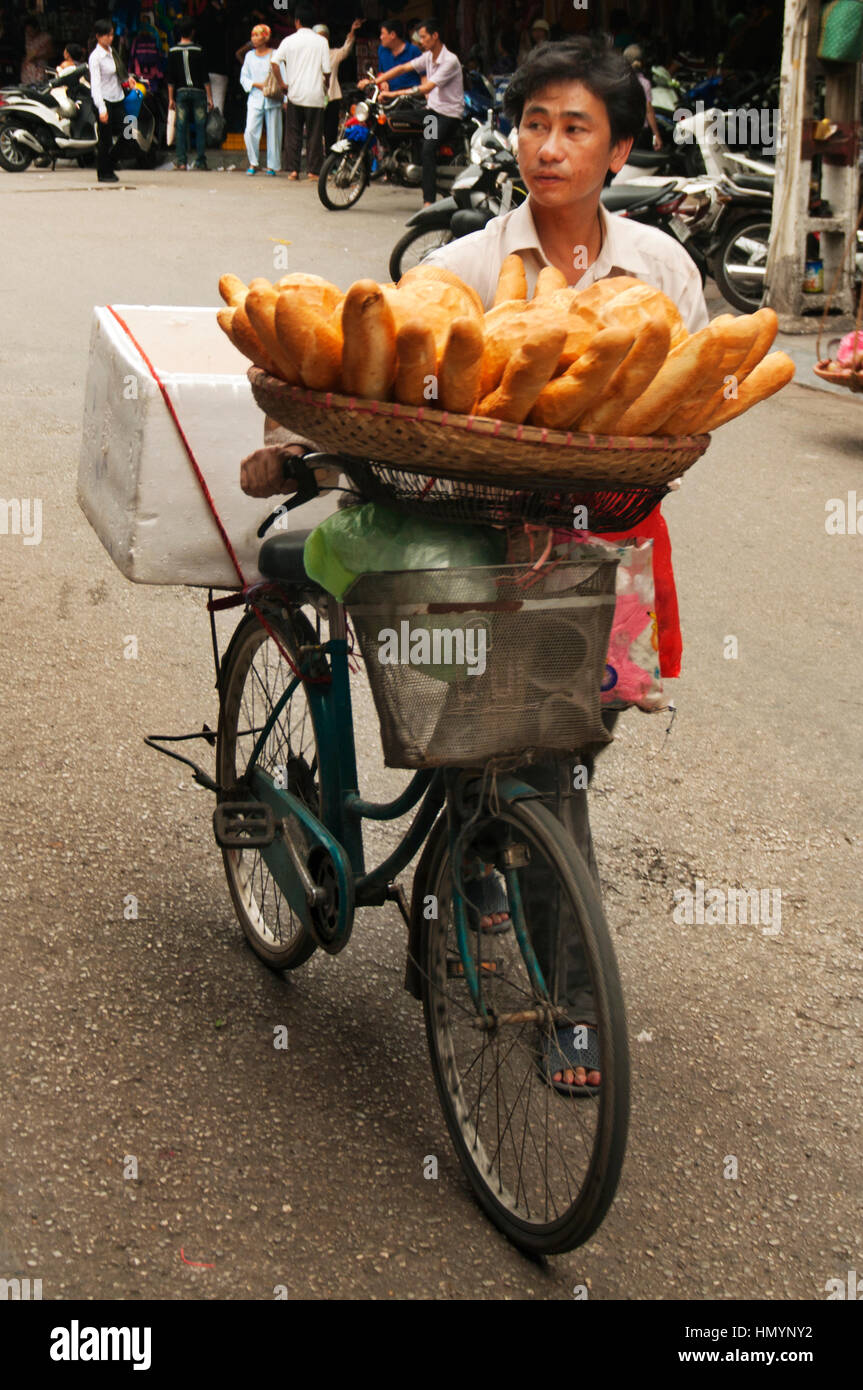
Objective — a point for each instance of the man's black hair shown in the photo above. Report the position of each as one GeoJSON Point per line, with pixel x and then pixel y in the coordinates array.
{"type": "Point", "coordinates": [76, 52]}
{"type": "Point", "coordinates": [103, 27]}
{"type": "Point", "coordinates": [395, 26]}
{"type": "Point", "coordinates": [306, 15]}
{"type": "Point", "coordinates": [186, 29]}
{"type": "Point", "coordinates": [602, 70]}
{"type": "Point", "coordinates": [431, 25]}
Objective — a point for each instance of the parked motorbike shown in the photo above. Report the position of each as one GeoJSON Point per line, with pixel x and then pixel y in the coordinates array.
{"type": "Point", "coordinates": [57, 119]}
{"type": "Point", "coordinates": [385, 134]}
{"type": "Point", "coordinates": [484, 190]}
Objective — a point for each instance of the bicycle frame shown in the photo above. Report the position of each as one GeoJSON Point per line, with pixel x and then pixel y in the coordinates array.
{"type": "Point", "coordinates": [339, 829]}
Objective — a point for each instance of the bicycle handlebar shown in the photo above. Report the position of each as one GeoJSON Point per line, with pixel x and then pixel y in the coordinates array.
{"type": "Point", "coordinates": [301, 467]}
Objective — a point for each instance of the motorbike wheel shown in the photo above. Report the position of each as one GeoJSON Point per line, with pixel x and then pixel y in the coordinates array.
{"type": "Point", "coordinates": [410, 249]}
{"type": "Point", "coordinates": [12, 158]}
{"type": "Point", "coordinates": [740, 261]}
{"type": "Point", "coordinates": [333, 189]}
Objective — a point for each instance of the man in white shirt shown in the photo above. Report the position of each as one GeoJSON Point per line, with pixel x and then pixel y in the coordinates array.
{"type": "Point", "coordinates": [442, 83]}
{"type": "Point", "coordinates": [304, 59]}
{"type": "Point", "coordinates": [578, 108]}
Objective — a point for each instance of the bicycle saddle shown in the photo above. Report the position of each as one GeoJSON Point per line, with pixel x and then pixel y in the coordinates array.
{"type": "Point", "coordinates": [281, 557]}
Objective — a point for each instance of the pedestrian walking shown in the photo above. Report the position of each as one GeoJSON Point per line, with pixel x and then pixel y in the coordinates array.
{"type": "Point", "coordinates": [106, 90]}
{"type": "Point", "coordinates": [305, 58]}
{"type": "Point", "coordinates": [635, 58]}
{"type": "Point", "coordinates": [334, 91]}
{"type": "Point", "coordinates": [255, 74]}
{"type": "Point", "coordinates": [189, 94]}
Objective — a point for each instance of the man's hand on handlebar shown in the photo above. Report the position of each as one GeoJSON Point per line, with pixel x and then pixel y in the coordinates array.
{"type": "Point", "coordinates": [262, 474]}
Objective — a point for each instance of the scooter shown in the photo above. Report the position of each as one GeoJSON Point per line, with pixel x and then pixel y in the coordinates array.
{"type": "Point", "coordinates": [57, 120]}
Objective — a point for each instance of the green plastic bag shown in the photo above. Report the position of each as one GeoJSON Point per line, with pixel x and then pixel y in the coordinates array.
{"type": "Point", "coordinates": [842, 32]}
{"type": "Point", "coordinates": [373, 539]}
{"type": "Point", "coordinates": [376, 539]}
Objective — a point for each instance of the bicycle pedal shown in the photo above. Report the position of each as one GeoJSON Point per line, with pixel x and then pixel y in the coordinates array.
{"type": "Point", "coordinates": [244, 825]}
{"type": "Point", "coordinates": [455, 967]}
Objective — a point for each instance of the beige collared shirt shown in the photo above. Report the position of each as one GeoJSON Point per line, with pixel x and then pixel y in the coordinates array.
{"type": "Point", "coordinates": [627, 248]}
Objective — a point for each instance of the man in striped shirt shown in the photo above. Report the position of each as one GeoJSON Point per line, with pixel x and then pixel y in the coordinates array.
{"type": "Point", "coordinates": [189, 94]}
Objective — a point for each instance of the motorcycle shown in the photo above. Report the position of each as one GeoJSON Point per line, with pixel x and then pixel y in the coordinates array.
{"type": "Point", "coordinates": [384, 137]}
{"type": "Point", "coordinates": [486, 189]}
{"type": "Point", "coordinates": [57, 119]}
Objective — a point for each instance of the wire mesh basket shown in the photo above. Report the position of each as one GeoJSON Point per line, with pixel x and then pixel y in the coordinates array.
{"type": "Point", "coordinates": [466, 665]}
{"type": "Point", "coordinates": [597, 508]}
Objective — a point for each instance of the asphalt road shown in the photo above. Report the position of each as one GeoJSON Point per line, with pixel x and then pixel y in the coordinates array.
{"type": "Point", "coordinates": [153, 1038]}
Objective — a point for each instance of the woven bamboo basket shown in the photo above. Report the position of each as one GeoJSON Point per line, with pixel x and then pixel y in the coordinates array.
{"type": "Point", "coordinates": [470, 446]}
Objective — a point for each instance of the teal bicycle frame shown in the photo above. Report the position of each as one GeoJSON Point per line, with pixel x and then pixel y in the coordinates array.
{"type": "Point", "coordinates": [342, 810]}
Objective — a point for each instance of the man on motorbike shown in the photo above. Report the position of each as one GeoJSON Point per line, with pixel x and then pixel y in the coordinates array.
{"type": "Point", "coordinates": [578, 107]}
{"type": "Point", "coordinates": [443, 84]}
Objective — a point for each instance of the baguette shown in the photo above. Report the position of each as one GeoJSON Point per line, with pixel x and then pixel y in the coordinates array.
{"type": "Point", "coordinates": [460, 366]}
{"type": "Point", "coordinates": [310, 343]}
{"type": "Point", "coordinates": [774, 372]}
{"type": "Point", "coordinates": [730, 344]}
{"type": "Point", "coordinates": [232, 289]}
{"type": "Point", "coordinates": [235, 322]}
{"type": "Point", "coordinates": [416, 362]}
{"type": "Point", "coordinates": [635, 373]}
{"type": "Point", "coordinates": [428, 281]}
{"type": "Point", "coordinates": [683, 368]}
{"type": "Point", "coordinates": [260, 305]}
{"type": "Point", "coordinates": [511, 281]}
{"type": "Point", "coordinates": [601, 292]}
{"type": "Point", "coordinates": [548, 280]}
{"type": "Point", "coordinates": [564, 399]}
{"type": "Point", "coordinates": [525, 375]}
{"type": "Point", "coordinates": [313, 290]}
{"type": "Point", "coordinates": [654, 302]}
{"type": "Point", "coordinates": [764, 323]}
{"type": "Point", "coordinates": [369, 351]}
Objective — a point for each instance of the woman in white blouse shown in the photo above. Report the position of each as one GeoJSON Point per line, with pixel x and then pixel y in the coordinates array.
{"type": "Point", "coordinates": [255, 70]}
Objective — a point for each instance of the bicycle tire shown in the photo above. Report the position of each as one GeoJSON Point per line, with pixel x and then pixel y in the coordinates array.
{"type": "Point", "coordinates": [404, 244]}
{"type": "Point", "coordinates": [295, 630]}
{"type": "Point", "coordinates": [573, 1226]}
{"type": "Point", "coordinates": [329, 164]}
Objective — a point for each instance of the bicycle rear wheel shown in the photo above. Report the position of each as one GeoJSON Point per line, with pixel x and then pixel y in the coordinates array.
{"type": "Point", "coordinates": [544, 1166]}
{"type": "Point", "coordinates": [254, 677]}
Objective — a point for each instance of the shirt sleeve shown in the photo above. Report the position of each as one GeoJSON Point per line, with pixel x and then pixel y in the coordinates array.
{"type": "Point", "coordinates": [96, 82]}
{"type": "Point", "coordinates": [419, 64]}
{"type": "Point", "coordinates": [447, 70]}
{"type": "Point", "coordinates": [691, 301]}
{"type": "Point", "coordinates": [246, 80]}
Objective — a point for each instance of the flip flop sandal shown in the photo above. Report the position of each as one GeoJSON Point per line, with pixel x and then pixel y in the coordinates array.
{"type": "Point", "coordinates": [487, 895]}
{"type": "Point", "coordinates": [559, 1053]}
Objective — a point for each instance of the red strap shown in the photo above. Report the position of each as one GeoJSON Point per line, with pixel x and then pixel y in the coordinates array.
{"type": "Point", "coordinates": [202, 482]}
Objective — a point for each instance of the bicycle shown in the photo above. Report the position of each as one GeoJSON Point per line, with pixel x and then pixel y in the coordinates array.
{"type": "Point", "coordinates": [544, 1166]}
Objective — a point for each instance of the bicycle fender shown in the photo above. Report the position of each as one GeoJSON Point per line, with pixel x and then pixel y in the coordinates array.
{"type": "Point", "coordinates": [329, 923]}
{"type": "Point", "coordinates": [438, 215]}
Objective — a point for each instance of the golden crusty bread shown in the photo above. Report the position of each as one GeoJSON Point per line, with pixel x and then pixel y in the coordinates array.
{"type": "Point", "coordinates": [416, 363]}
{"type": "Point", "coordinates": [634, 375]}
{"type": "Point", "coordinates": [526, 373]}
{"type": "Point", "coordinates": [649, 300]}
{"type": "Point", "coordinates": [771, 374]}
{"type": "Point", "coordinates": [731, 345]}
{"type": "Point", "coordinates": [235, 322]}
{"type": "Point", "coordinates": [563, 400]}
{"type": "Point", "coordinates": [679, 374]}
{"type": "Point", "coordinates": [369, 351]}
{"type": "Point", "coordinates": [548, 280]}
{"type": "Point", "coordinates": [508, 325]}
{"type": "Point", "coordinates": [437, 275]}
{"type": "Point", "coordinates": [232, 289]}
{"type": "Point", "coordinates": [309, 340]}
{"type": "Point", "coordinates": [260, 305]}
{"type": "Point", "coordinates": [601, 292]}
{"type": "Point", "coordinates": [460, 366]}
{"type": "Point", "coordinates": [511, 280]}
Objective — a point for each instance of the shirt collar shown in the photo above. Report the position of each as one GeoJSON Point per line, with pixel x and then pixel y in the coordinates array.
{"type": "Point", "coordinates": [613, 258]}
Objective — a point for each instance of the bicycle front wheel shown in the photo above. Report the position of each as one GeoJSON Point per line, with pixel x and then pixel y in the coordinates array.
{"type": "Point", "coordinates": [544, 1165]}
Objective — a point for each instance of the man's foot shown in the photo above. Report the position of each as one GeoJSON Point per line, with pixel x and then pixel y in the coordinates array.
{"type": "Point", "coordinates": [180, 168]}
{"type": "Point", "coordinates": [487, 896]}
{"type": "Point", "coordinates": [203, 166]}
{"type": "Point", "coordinates": [571, 1059]}
{"type": "Point", "coordinates": [271, 173]}
{"type": "Point", "coordinates": [108, 178]}
{"type": "Point", "coordinates": [293, 174]}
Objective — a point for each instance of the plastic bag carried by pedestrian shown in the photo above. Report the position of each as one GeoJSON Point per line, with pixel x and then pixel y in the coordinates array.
{"type": "Point", "coordinates": [217, 129]}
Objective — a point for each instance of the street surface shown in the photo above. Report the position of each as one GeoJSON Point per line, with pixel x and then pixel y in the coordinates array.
{"type": "Point", "coordinates": [152, 1038]}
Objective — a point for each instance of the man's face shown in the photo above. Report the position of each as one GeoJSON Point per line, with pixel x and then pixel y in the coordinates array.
{"type": "Point", "coordinates": [388, 38]}
{"type": "Point", "coordinates": [539, 35]}
{"type": "Point", "coordinates": [564, 144]}
{"type": "Point", "coordinates": [426, 39]}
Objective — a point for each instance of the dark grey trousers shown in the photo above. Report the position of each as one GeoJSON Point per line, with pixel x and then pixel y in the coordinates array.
{"type": "Point", "coordinates": [554, 933]}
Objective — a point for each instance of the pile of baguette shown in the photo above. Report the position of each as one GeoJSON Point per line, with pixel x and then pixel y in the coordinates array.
{"type": "Point", "coordinates": [614, 358]}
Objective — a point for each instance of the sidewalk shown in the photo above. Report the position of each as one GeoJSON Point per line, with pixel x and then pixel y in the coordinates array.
{"type": "Point", "coordinates": [802, 348]}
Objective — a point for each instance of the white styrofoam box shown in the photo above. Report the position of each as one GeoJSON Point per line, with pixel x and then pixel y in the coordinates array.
{"type": "Point", "coordinates": [136, 485]}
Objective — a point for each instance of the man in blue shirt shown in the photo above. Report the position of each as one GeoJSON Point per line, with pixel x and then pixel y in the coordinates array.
{"type": "Point", "coordinates": [392, 51]}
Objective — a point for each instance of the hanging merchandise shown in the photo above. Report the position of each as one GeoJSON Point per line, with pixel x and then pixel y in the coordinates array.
{"type": "Point", "coordinates": [842, 32]}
